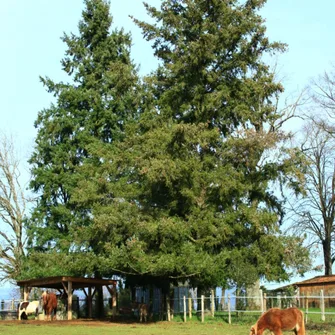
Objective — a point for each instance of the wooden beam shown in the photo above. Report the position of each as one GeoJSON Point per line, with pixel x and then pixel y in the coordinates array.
{"type": "Point", "coordinates": [56, 282]}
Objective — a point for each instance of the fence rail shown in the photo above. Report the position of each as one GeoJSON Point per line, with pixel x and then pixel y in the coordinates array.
{"type": "Point", "coordinates": [228, 308]}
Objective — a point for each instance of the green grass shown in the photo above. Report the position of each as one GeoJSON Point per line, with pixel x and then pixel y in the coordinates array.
{"type": "Point", "coordinates": [158, 328]}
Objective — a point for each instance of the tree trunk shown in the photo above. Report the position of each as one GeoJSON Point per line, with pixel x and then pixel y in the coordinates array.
{"type": "Point", "coordinates": [327, 256]}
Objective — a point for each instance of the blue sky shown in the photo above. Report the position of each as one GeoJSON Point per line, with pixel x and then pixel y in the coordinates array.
{"type": "Point", "coordinates": [31, 46]}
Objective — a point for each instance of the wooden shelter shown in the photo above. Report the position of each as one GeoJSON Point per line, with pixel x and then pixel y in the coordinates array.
{"type": "Point", "coordinates": [66, 284]}
{"type": "Point", "coordinates": [309, 291]}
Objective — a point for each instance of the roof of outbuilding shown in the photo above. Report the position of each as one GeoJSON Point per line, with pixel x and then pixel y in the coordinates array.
{"type": "Point", "coordinates": [318, 280]}
{"type": "Point", "coordinates": [59, 281]}
{"type": "Point", "coordinates": [315, 281]}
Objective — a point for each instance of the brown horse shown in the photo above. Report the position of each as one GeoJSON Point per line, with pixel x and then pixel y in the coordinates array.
{"type": "Point", "coordinates": [276, 320]}
{"type": "Point", "coordinates": [143, 310]}
{"type": "Point", "coordinates": [49, 305]}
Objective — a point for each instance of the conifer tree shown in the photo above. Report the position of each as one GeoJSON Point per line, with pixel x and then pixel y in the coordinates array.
{"type": "Point", "coordinates": [171, 182]}
{"type": "Point", "coordinates": [199, 165]}
{"type": "Point", "coordinates": [90, 113]}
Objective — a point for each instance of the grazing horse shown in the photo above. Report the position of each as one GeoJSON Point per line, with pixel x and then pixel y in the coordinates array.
{"type": "Point", "coordinates": [25, 308]}
{"type": "Point", "coordinates": [49, 305]}
{"type": "Point", "coordinates": [276, 320]}
{"type": "Point", "coordinates": [143, 310]}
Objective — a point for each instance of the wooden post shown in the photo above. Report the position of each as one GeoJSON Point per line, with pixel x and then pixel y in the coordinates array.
{"type": "Point", "coordinates": [26, 293]}
{"type": "Point", "coordinates": [202, 308]}
{"type": "Point", "coordinates": [114, 301]}
{"type": "Point", "coordinates": [168, 307]}
{"type": "Point", "coordinates": [89, 302]}
{"type": "Point", "coordinates": [322, 305]}
{"type": "Point", "coordinates": [222, 302]}
{"type": "Point", "coordinates": [306, 313]}
{"type": "Point", "coordinates": [190, 307]}
{"type": "Point", "coordinates": [264, 302]}
{"type": "Point", "coordinates": [212, 302]}
{"type": "Point", "coordinates": [229, 311]}
{"type": "Point", "coordinates": [184, 305]}
{"type": "Point", "coordinates": [261, 300]}
{"type": "Point", "coordinates": [113, 292]}
{"type": "Point", "coordinates": [69, 300]}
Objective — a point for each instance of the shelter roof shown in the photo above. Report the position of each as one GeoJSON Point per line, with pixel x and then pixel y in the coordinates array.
{"type": "Point", "coordinates": [318, 280]}
{"type": "Point", "coordinates": [59, 281]}
{"type": "Point", "coordinates": [315, 281]}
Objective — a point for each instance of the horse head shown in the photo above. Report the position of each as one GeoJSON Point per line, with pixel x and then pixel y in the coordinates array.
{"type": "Point", "coordinates": [253, 330]}
{"type": "Point", "coordinates": [45, 297]}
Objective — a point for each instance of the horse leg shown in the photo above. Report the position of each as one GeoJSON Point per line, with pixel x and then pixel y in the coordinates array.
{"type": "Point", "coordinates": [277, 331]}
{"type": "Point", "coordinates": [55, 313]}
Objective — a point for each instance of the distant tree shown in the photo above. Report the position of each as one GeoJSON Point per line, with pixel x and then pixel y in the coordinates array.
{"type": "Point", "coordinates": [314, 213]}
{"type": "Point", "coordinates": [322, 92]}
{"type": "Point", "coordinates": [13, 204]}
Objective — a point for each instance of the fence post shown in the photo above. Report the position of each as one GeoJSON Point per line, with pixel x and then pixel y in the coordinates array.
{"type": "Point", "coordinates": [279, 300]}
{"type": "Point", "coordinates": [13, 305]}
{"type": "Point", "coordinates": [190, 307]}
{"type": "Point", "coordinates": [213, 302]}
{"type": "Point", "coordinates": [184, 306]}
{"type": "Point", "coordinates": [261, 300]}
{"type": "Point", "coordinates": [229, 312]}
{"type": "Point", "coordinates": [202, 308]}
{"type": "Point", "coordinates": [322, 303]}
{"type": "Point", "coordinates": [306, 309]}
{"type": "Point", "coordinates": [285, 301]}
{"type": "Point", "coordinates": [264, 302]}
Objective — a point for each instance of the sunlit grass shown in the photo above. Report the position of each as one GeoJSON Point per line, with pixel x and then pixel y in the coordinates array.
{"type": "Point", "coordinates": [89, 327]}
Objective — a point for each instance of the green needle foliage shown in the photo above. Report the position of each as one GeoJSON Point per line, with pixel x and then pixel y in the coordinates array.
{"type": "Point", "coordinates": [173, 180]}
{"type": "Point", "coordinates": [90, 113]}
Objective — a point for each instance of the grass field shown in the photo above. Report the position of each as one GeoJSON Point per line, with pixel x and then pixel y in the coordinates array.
{"type": "Point", "coordinates": [89, 327]}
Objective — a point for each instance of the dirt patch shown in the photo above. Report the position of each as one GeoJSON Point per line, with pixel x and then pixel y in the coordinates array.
{"type": "Point", "coordinates": [86, 322]}
{"type": "Point", "coordinates": [320, 326]}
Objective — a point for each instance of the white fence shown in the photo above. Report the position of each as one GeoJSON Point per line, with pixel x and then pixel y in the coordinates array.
{"type": "Point", "coordinates": [8, 305]}
{"type": "Point", "coordinates": [228, 308]}
{"type": "Point", "coordinates": [231, 307]}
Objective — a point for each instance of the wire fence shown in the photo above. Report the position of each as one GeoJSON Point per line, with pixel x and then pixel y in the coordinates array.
{"type": "Point", "coordinates": [230, 308]}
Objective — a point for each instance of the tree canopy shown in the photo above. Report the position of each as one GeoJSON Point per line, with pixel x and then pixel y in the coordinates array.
{"type": "Point", "coordinates": [170, 178]}
{"type": "Point", "coordinates": [90, 113]}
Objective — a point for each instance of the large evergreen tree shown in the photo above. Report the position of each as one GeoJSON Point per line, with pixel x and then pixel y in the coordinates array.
{"type": "Point", "coordinates": [90, 113]}
{"type": "Point", "coordinates": [193, 199]}
{"type": "Point", "coordinates": [175, 185]}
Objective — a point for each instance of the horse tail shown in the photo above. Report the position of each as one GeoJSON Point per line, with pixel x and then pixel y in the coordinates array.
{"type": "Point", "coordinates": [302, 330]}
